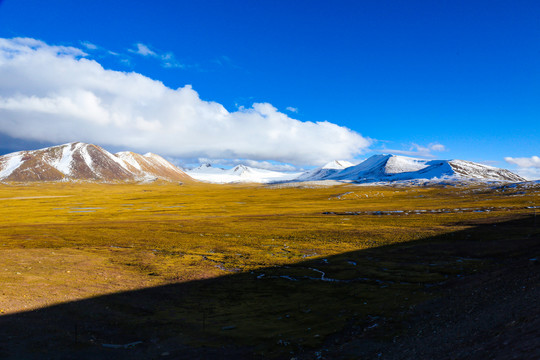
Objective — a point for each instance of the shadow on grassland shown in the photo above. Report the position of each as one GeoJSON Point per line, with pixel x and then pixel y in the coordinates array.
{"type": "Point", "coordinates": [280, 312]}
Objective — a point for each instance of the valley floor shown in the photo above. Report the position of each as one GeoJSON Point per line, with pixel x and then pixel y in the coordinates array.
{"type": "Point", "coordinates": [250, 271]}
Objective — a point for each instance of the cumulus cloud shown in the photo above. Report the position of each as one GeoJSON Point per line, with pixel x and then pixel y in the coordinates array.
{"type": "Point", "coordinates": [57, 94]}
{"type": "Point", "coordinates": [167, 59]}
{"type": "Point", "coordinates": [528, 167]}
{"type": "Point", "coordinates": [418, 150]}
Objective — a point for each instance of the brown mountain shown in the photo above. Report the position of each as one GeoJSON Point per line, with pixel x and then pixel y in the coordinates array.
{"type": "Point", "coordinates": [86, 162]}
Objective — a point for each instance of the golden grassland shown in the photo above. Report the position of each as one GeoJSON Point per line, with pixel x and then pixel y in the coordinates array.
{"type": "Point", "coordinates": [269, 245]}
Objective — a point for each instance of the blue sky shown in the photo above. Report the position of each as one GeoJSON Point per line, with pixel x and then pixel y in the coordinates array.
{"type": "Point", "coordinates": [446, 79]}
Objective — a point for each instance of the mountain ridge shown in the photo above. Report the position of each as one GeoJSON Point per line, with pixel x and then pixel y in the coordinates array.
{"type": "Point", "coordinates": [77, 161]}
{"type": "Point", "coordinates": [238, 174]}
{"type": "Point", "coordinates": [390, 168]}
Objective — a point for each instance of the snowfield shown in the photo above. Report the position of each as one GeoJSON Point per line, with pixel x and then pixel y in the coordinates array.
{"type": "Point", "coordinates": [10, 163]}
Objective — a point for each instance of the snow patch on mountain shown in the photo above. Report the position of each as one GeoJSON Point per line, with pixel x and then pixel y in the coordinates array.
{"type": "Point", "coordinates": [126, 157]}
{"type": "Point", "coordinates": [337, 165]}
{"type": "Point", "coordinates": [62, 163]}
{"type": "Point", "coordinates": [324, 171]}
{"type": "Point", "coordinates": [10, 163]}
{"type": "Point", "coordinates": [86, 156]}
{"type": "Point", "coordinates": [401, 164]}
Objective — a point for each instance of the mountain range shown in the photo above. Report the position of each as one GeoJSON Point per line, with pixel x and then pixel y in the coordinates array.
{"type": "Point", "coordinates": [240, 173]}
{"type": "Point", "coordinates": [391, 168]}
{"type": "Point", "coordinates": [86, 162]}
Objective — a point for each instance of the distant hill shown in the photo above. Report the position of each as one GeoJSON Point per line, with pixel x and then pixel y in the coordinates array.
{"type": "Point", "coordinates": [391, 168]}
{"type": "Point", "coordinates": [86, 162]}
{"type": "Point", "coordinates": [238, 174]}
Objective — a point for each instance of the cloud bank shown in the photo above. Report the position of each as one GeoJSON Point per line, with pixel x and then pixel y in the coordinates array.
{"type": "Point", "coordinates": [57, 94]}
{"type": "Point", "coordinates": [529, 167]}
{"type": "Point", "coordinates": [532, 162]}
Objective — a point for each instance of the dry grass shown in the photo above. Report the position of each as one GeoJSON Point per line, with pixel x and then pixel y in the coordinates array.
{"type": "Point", "coordinates": [177, 233]}
{"type": "Point", "coordinates": [61, 242]}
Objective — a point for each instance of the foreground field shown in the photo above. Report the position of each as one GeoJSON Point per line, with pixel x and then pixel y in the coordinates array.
{"type": "Point", "coordinates": [239, 271]}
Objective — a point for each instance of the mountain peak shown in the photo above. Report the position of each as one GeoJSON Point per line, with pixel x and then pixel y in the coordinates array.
{"type": "Point", "coordinates": [241, 169]}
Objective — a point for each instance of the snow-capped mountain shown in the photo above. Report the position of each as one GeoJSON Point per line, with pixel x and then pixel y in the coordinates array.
{"type": "Point", "coordinates": [206, 168]}
{"type": "Point", "coordinates": [87, 162]}
{"type": "Point", "coordinates": [325, 171]}
{"type": "Point", "coordinates": [240, 173]}
{"type": "Point", "coordinates": [79, 161]}
{"type": "Point", "coordinates": [386, 168]}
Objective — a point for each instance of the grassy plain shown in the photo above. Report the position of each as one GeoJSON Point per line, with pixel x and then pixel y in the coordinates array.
{"type": "Point", "coordinates": [286, 268]}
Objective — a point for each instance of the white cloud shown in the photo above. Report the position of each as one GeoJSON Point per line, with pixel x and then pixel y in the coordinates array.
{"type": "Point", "coordinates": [100, 52]}
{"type": "Point", "coordinates": [528, 173]}
{"type": "Point", "coordinates": [143, 50]}
{"type": "Point", "coordinates": [167, 59]}
{"type": "Point", "coordinates": [417, 150]}
{"type": "Point", "coordinates": [532, 162]}
{"type": "Point", "coordinates": [528, 167]}
{"type": "Point", "coordinates": [56, 94]}
{"type": "Point", "coordinates": [292, 109]}
{"type": "Point", "coordinates": [269, 166]}
{"type": "Point", "coordinates": [22, 47]}
{"type": "Point", "coordinates": [89, 45]}
{"type": "Point", "coordinates": [436, 147]}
